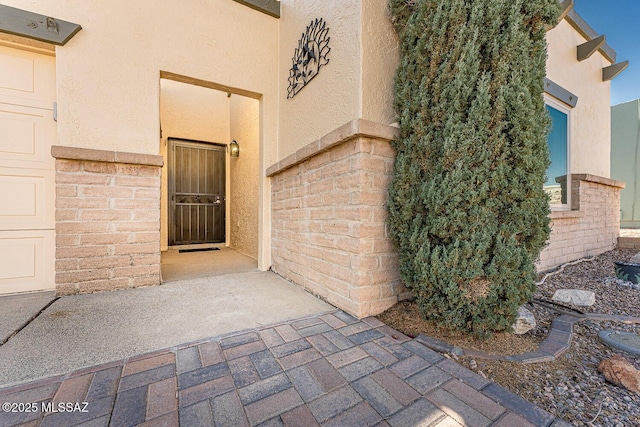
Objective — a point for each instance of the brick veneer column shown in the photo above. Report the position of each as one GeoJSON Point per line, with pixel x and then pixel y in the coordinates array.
{"type": "Point", "coordinates": [329, 231]}
{"type": "Point", "coordinates": [107, 220]}
{"type": "Point", "coordinates": [590, 228]}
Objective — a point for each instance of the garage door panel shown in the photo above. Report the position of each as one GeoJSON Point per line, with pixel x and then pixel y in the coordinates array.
{"type": "Point", "coordinates": [26, 78]}
{"type": "Point", "coordinates": [20, 260]}
{"type": "Point", "coordinates": [27, 171]}
{"type": "Point", "coordinates": [26, 136]}
{"type": "Point", "coordinates": [18, 75]}
{"type": "Point", "coordinates": [28, 199]}
{"type": "Point", "coordinates": [26, 260]}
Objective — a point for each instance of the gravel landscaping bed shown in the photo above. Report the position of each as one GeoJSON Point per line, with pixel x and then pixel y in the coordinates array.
{"type": "Point", "coordinates": [570, 387]}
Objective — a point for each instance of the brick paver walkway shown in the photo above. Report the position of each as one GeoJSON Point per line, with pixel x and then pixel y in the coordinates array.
{"type": "Point", "coordinates": [329, 370]}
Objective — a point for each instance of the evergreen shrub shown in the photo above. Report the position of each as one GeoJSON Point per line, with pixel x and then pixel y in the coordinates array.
{"type": "Point", "coordinates": [467, 208]}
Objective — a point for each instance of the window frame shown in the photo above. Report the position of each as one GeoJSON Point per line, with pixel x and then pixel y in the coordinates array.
{"type": "Point", "coordinates": [563, 108]}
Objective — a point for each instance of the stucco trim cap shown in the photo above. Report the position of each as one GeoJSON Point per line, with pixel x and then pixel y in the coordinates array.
{"type": "Point", "coordinates": [75, 153]}
{"type": "Point", "coordinates": [598, 180]}
{"type": "Point", "coordinates": [352, 129]}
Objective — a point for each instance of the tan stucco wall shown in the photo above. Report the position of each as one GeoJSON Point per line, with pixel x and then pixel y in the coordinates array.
{"type": "Point", "coordinates": [333, 96]}
{"type": "Point", "coordinates": [189, 112]}
{"type": "Point", "coordinates": [356, 83]}
{"type": "Point", "coordinates": [244, 175]}
{"type": "Point", "coordinates": [380, 58]}
{"type": "Point", "coordinates": [108, 88]}
{"type": "Point", "coordinates": [590, 119]}
{"type": "Point", "coordinates": [108, 91]}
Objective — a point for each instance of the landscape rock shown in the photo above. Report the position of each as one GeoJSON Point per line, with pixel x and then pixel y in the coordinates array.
{"type": "Point", "coordinates": [524, 322]}
{"type": "Point", "coordinates": [575, 296]}
{"type": "Point", "coordinates": [622, 283]}
{"type": "Point", "coordinates": [617, 370]}
{"type": "Point", "coordinates": [635, 259]}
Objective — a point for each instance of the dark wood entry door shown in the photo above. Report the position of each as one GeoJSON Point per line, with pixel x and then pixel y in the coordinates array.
{"type": "Point", "coordinates": [196, 192]}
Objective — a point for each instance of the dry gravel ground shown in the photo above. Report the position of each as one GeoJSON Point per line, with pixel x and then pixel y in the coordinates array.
{"type": "Point", "coordinates": [570, 387]}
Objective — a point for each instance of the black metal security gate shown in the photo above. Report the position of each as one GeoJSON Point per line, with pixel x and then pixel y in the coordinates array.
{"type": "Point", "coordinates": [196, 192]}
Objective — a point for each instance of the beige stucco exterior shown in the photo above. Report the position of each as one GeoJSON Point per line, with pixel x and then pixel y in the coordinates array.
{"type": "Point", "coordinates": [380, 57]}
{"type": "Point", "coordinates": [310, 169]}
{"type": "Point", "coordinates": [333, 96]}
{"type": "Point", "coordinates": [218, 70]}
{"type": "Point", "coordinates": [108, 74]}
{"type": "Point", "coordinates": [590, 119]}
{"type": "Point", "coordinates": [245, 176]}
{"type": "Point", "coordinates": [108, 80]}
{"type": "Point", "coordinates": [356, 83]}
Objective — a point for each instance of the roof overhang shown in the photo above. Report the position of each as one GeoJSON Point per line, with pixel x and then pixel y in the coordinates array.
{"type": "Point", "coordinates": [595, 42]}
{"type": "Point", "coordinates": [31, 25]}
{"type": "Point", "coordinates": [585, 30]}
{"type": "Point", "coordinates": [270, 7]}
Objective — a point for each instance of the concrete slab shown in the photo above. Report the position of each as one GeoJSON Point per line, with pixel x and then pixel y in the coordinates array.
{"type": "Point", "coordinates": [17, 310]}
{"type": "Point", "coordinates": [197, 265]}
{"type": "Point", "coordinates": [84, 330]}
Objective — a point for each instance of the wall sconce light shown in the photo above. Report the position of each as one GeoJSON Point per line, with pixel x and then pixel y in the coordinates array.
{"type": "Point", "coordinates": [234, 149]}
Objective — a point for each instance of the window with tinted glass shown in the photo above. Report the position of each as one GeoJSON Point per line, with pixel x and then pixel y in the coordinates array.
{"type": "Point", "coordinates": [558, 175]}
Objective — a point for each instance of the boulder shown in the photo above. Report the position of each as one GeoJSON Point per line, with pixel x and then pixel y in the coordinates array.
{"type": "Point", "coordinates": [575, 296]}
{"type": "Point", "coordinates": [524, 322]}
{"type": "Point", "coordinates": [617, 370]}
{"type": "Point", "coordinates": [635, 259]}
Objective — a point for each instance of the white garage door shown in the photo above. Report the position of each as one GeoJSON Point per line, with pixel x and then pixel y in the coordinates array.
{"type": "Point", "coordinates": [27, 180]}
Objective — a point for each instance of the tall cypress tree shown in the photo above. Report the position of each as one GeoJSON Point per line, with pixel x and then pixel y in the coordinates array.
{"type": "Point", "coordinates": [467, 208]}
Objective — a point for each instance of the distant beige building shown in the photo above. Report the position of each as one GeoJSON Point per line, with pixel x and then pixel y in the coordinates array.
{"type": "Point", "coordinates": [116, 141]}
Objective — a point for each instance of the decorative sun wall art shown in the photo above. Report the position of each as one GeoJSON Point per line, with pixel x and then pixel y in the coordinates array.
{"type": "Point", "coordinates": [309, 56]}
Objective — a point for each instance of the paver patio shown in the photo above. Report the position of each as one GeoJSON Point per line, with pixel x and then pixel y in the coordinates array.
{"type": "Point", "coordinates": [328, 370]}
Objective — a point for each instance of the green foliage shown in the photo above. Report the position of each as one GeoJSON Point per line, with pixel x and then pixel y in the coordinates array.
{"type": "Point", "coordinates": [467, 208]}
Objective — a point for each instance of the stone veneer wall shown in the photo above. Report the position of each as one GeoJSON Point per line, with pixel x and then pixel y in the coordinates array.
{"type": "Point", "coordinates": [329, 219]}
{"type": "Point", "coordinates": [107, 220]}
{"type": "Point", "coordinates": [329, 229]}
{"type": "Point", "coordinates": [629, 242]}
{"type": "Point", "coordinates": [590, 228]}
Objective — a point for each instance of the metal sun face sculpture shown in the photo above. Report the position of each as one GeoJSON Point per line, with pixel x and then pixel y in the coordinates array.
{"type": "Point", "coordinates": [309, 56]}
